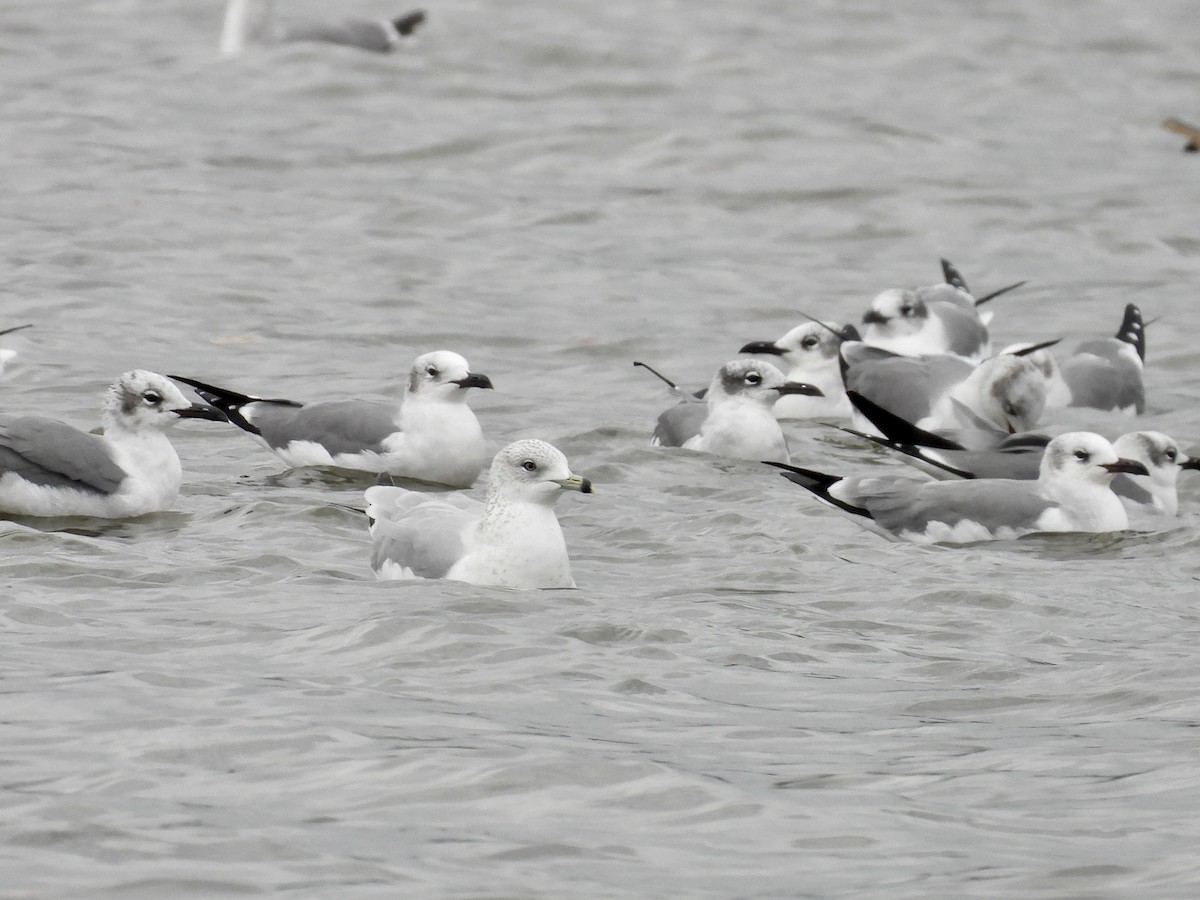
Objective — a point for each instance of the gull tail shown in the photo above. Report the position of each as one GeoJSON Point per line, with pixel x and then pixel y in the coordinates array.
{"type": "Point", "coordinates": [1133, 331]}
{"type": "Point", "coordinates": [953, 277]}
{"type": "Point", "coordinates": [230, 402]}
{"type": "Point", "coordinates": [819, 483]}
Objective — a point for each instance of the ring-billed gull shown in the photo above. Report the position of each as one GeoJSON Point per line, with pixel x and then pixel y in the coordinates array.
{"type": "Point", "coordinates": [432, 435]}
{"type": "Point", "coordinates": [734, 416]}
{"type": "Point", "coordinates": [51, 469]}
{"type": "Point", "coordinates": [1073, 492]}
{"type": "Point", "coordinates": [512, 539]}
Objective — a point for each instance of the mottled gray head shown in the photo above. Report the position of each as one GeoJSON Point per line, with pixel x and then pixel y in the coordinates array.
{"type": "Point", "coordinates": [141, 400]}
{"type": "Point", "coordinates": [894, 313]}
{"type": "Point", "coordinates": [749, 379]}
{"type": "Point", "coordinates": [1014, 392]}
{"type": "Point", "coordinates": [444, 375]}
{"type": "Point", "coordinates": [535, 471]}
{"type": "Point", "coordinates": [1083, 456]}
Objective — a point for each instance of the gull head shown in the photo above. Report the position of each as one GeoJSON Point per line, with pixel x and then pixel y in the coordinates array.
{"type": "Point", "coordinates": [894, 313]}
{"type": "Point", "coordinates": [810, 346]}
{"type": "Point", "coordinates": [533, 471]}
{"type": "Point", "coordinates": [1158, 453]}
{"type": "Point", "coordinates": [1014, 392]}
{"type": "Point", "coordinates": [755, 381]}
{"type": "Point", "coordinates": [146, 401]}
{"type": "Point", "coordinates": [443, 375]}
{"type": "Point", "coordinates": [1086, 458]}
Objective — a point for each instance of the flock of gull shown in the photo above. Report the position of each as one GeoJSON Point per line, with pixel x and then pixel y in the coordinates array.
{"type": "Point", "coordinates": [919, 379]}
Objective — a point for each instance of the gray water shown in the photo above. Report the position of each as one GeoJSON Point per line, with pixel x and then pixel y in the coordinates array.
{"type": "Point", "coordinates": [748, 696]}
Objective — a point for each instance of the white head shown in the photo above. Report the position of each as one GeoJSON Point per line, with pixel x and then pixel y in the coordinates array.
{"type": "Point", "coordinates": [1083, 457]}
{"type": "Point", "coordinates": [533, 471]}
{"type": "Point", "coordinates": [443, 375]}
{"type": "Point", "coordinates": [145, 401]}
{"type": "Point", "coordinates": [755, 381]}
{"type": "Point", "coordinates": [894, 313]}
{"type": "Point", "coordinates": [809, 347]}
{"type": "Point", "coordinates": [1158, 453]}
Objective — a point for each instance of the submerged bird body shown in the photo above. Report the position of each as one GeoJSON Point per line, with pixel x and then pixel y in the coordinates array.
{"type": "Point", "coordinates": [513, 539]}
{"type": "Point", "coordinates": [52, 469]}
{"type": "Point", "coordinates": [1072, 493]}
{"type": "Point", "coordinates": [734, 417]}
{"type": "Point", "coordinates": [432, 435]}
{"type": "Point", "coordinates": [253, 22]}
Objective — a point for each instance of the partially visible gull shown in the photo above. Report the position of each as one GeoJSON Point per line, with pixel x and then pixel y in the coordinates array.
{"type": "Point", "coordinates": [734, 416]}
{"type": "Point", "coordinates": [253, 21]}
{"type": "Point", "coordinates": [48, 468]}
{"type": "Point", "coordinates": [6, 354]}
{"type": "Point", "coordinates": [512, 539]}
{"type": "Point", "coordinates": [809, 354]}
{"type": "Point", "coordinates": [430, 435]}
{"type": "Point", "coordinates": [1073, 492]}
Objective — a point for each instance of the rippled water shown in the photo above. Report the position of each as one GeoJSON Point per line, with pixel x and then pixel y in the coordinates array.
{"type": "Point", "coordinates": [748, 695]}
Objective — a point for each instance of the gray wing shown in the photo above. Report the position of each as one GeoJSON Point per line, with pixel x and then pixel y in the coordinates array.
{"type": "Point", "coordinates": [46, 452]}
{"type": "Point", "coordinates": [965, 332]}
{"type": "Point", "coordinates": [906, 386]}
{"type": "Point", "coordinates": [422, 532]}
{"type": "Point", "coordinates": [680, 423]}
{"type": "Point", "coordinates": [351, 33]}
{"type": "Point", "coordinates": [1100, 376]}
{"type": "Point", "coordinates": [340, 426]}
{"type": "Point", "coordinates": [1128, 487]}
{"type": "Point", "coordinates": [993, 503]}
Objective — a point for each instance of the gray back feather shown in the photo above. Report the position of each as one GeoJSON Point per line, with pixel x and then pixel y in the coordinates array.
{"type": "Point", "coordinates": [340, 426]}
{"type": "Point", "coordinates": [913, 506]}
{"type": "Point", "coordinates": [422, 532]}
{"type": "Point", "coordinates": [680, 423]}
{"type": "Point", "coordinates": [1100, 376]}
{"type": "Point", "coordinates": [352, 33]}
{"type": "Point", "coordinates": [46, 452]}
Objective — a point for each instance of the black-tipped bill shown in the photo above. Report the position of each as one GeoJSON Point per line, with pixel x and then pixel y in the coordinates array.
{"type": "Point", "coordinates": [1190, 463]}
{"type": "Point", "coordinates": [575, 483]}
{"type": "Point", "coordinates": [1128, 466]}
{"type": "Point", "coordinates": [800, 387]}
{"type": "Point", "coordinates": [872, 317]}
{"type": "Point", "coordinates": [763, 347]}
{"type": "Point", "coordinates": [473, 380]}
{"type": "Point", "coordinates": [201, 411]}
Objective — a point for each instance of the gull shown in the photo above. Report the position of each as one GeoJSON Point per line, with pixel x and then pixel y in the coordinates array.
{"type": "Point", "coordinates": [431, 435]}
{"type": "Point", "coordinates": [1103, 373]}
{"type": "Point", "coordinates": [248, 21]}
{"type": "Point", "coordinates": [926, 321]}
{"type": "Point", "coordinates": [48, 468]}
{"type": "Point", "coordinates": [1073, 492]}
{"type": "Point", "coordinates": [809, 354]}
{"type": "Point", "coordinates": [733, 417]}
{"type": "Point", "coordinates": [512, 539]}
{"type": "Point", "coordinates": [945, 392]}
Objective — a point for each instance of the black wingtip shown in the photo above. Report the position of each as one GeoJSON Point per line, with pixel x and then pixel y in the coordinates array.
{"type": "Point", "coordinates": [897, 428]}
{"type": "Point", "coordinates": [1133, 330]}
{"type": "Point", "coordinates": [953, 277]}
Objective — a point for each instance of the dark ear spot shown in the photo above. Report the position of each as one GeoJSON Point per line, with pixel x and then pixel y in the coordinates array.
{"type": "Point", "coordinates": [130, 401]}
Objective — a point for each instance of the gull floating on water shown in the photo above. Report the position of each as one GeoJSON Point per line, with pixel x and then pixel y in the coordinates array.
{"type": "Point", "coordinates": [6, 355]}
{"type": "Point", "coordinates": [926, 321]}
{"type": "Point", "coordinates": [1073, 492]}
{"type": "Point", "coordinates": [48, 468]}
{"type": "Point", "coordinates": [809, 354]}
{"type": "Point", "coordinates": [512, 539]}
{"type": "Point", "coordinates": [733, 417]}
{"type": "Point", "coordinates": [431, 435]}
{"type": "Point", "coordinates": [253, 21]}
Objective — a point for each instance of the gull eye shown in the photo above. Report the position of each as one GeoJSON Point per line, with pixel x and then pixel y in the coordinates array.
{"type": "Point", "coordinates": [809, 342]}
{"type": "Point", "coordinates": [1082, 455]}
{"type": "Point", "coordinates": [152, 398]}
{"type": "Point", "coordinates": [529, 465]}
{"type": "Point", "coordinates": [432, 371]}
{"type": "Point", "coordinates": [906, 310]}
{"type": "Point", "coordinates": [1171, 454]}
{"type": "Point", "coordinates": [753, 378]}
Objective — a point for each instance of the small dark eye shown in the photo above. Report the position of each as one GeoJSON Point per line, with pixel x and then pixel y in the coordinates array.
{"type": "Point", "coordinates": [1082, 455]}
{"type": "Point", "coordinates": [809, 342]}
{"type": "Point", "coordinates": [906, 310]}
{"type": "Point", "coordinates": [152, 398]}
{"type": "Point", "coordinates": [1171, 454]}
{"type": "Point", "coordinates": [753, 378]}
{"type": "Point", "coordinates": [432, 370]}
{"type": "Point", "coordinates": [529, 465]}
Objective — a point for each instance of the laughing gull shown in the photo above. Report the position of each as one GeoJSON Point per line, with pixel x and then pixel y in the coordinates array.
{"type": "Point", "coordinates": [512, 540]}
{"type": "Point", "coordinates": [945, 392]}
{"type": "Point", "coordinates": [253, 21]}
{"type": "Point", "coordinates": [937, 319]}
{"type": "Point", "coordinates": [432, 435]}
{"type": "Point", "coordinates": [809, 354]}
{"type": "Point", "coordinates": [734, 416]}
{"type": "Point", "coordinates": [1156, 496]}
{"type": "Point", "coordinates": [1073, 492]}
{"type": "Point", "coordinates": [51, 469]}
